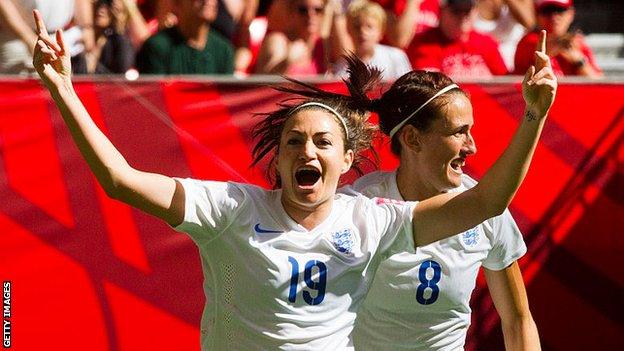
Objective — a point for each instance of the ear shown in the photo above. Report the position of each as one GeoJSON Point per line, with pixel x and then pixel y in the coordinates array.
{"type": "Point", "coordinates": [348, 161]}
{"type": "Point", "coordinates": [410, 138]}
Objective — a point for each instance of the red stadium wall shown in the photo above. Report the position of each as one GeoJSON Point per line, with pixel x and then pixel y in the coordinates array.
{"type": "Point", "coordinates": [87, 272]}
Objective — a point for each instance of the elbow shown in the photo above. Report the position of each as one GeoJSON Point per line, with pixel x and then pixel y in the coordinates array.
{"type": "Point", "coordinates": [113, 185]}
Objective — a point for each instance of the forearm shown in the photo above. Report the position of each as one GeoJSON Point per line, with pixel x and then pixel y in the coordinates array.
{"type": "Point", "coordinates": [14, 22]}
{"type": "Point", "coordinates": [523, 11]}
{"type": "Point", "coordinates": [340, 41]}
{"type": "Point", "coordinates": [521, 335]}
{"type": "Point", "coordinates": [105, 161]}
{"type": "Point", "coordinates": [401, 29]}
{"type": "Point", "coordinates": [137, 27]}
{"type": "Point", "coordinates": [502, 180]}
{"type": "Point", "coordinates": [84, 19]}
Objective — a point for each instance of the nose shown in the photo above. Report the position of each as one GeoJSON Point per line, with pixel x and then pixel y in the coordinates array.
{"type": "Point", "coordinates": [470, 147]}
{"type": "Point", "coordinates": [308, 151]}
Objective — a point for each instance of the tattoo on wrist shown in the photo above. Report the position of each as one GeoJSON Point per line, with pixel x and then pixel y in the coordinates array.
{"type": "Point", "coordinates": [531, 116]}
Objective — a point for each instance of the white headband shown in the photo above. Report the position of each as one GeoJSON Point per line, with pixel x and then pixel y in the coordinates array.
{"type": "Point", "coordinates": [328, 108]}
{"type": "Point", "coordinates": [398, 126]}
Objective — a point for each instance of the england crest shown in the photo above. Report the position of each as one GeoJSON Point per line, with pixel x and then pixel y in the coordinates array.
{"type": "Point", "coordinates": [343, 241]}
{"type": "Point", "coordinates": [471, 237]}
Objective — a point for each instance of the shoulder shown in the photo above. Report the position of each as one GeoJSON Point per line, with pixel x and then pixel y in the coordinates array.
{"type": "Point", "coordinates": [391, 51]}
{"type": "Point", "coordinates": [429, 36]}
{"type": "Point", "coordinates": [369, 179]}
{"type": "Point", "coordinates": [219, 40]}
{"type": "Point", "coordinates": [529, 40]}
{"type": "Point", "coordinates": [165, 36]}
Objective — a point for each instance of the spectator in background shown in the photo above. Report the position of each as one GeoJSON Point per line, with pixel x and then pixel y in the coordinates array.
{"type": "Point", "coordinates": [17, 30]}
{"type": "Point", "coordinates": [190, 47]}
{"type": "Point", "coordinates": [407, 18]}
{"type": "Point", "coordinates": [113, 52]}
{"type": "Point", "coordinates": [314, 38]}
{"type": "Point", "coordinates": [130, 21]}
{"type": "Point", "coordinates": [507, 21]}
{"type": "Point", "coordinates": [454, 47]}
{"type": "Point", "coordinates": [569, 54]}
{"type": "Point", "coordinates": [366, 22]}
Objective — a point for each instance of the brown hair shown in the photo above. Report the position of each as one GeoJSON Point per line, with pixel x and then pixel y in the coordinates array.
{"type": "Point", "coordinates": [354, 108]}
{"type": "Point", "coordinates": [406, 95]}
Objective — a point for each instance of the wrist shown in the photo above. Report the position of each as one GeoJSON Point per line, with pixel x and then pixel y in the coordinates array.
{"type": "Point", "coordinates": [532, 113]}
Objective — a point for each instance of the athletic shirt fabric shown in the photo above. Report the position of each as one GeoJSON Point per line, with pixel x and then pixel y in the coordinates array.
{"type": "Point", "coordinates": [270, 283]}
{"type": "Point", "coordinates": [400, 312]}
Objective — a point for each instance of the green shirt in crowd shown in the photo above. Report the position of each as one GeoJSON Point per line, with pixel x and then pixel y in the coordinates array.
{"type": "Point", "coordinates": [166, 52]}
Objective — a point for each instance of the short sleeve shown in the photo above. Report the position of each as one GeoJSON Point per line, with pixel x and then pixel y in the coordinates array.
{"type": "Point", "coordinates": [209, 208]}
{"type": "Point", "coordinates": [393, 220]}
{"type": "Point", "coordinates": [508, 244]}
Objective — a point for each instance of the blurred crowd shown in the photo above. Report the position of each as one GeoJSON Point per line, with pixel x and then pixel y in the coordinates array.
{"type": "Point", "coordinates": [461, 38]}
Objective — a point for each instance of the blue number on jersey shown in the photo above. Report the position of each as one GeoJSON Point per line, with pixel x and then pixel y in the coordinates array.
{"type": "Point", "coordinates": [428, 283]}
{"type": "Point", "coordinates": [319, 285]}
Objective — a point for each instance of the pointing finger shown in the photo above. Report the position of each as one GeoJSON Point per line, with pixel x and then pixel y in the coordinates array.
{"type": "Point", "coordinates": [41, 28]}
{"type": "Point", "coordinates": [541, 43]}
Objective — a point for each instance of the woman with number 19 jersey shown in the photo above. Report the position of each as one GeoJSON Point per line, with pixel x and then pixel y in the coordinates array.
{"type": "Point", "coordinates": [273, 283]}
{"type": "Point", "coordinates": [420, 300]}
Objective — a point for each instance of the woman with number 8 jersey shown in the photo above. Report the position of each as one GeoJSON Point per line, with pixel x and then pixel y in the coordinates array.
{"type": "Point", "coordinates": [419, 299]}
{"type": "Point", "coordinates": [288, 268]}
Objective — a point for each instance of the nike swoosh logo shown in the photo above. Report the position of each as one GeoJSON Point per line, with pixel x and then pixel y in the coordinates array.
{"type": "Point", "coordinates": [265, 231]}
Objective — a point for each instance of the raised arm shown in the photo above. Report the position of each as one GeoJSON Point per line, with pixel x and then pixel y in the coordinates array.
{"type": "Point", "coordinates": [155, 194]}
{"type": "Point", "coordinates": [449, 214]}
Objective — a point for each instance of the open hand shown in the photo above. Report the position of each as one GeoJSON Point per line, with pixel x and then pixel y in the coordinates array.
{"type": "Point", "coordinates": [50, 58]}
{"type": "Point", "coordinates": [540, 84]}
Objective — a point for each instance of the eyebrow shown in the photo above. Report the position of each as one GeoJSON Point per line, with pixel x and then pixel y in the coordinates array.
{"type": "Point", "coordinates": [294, 131]}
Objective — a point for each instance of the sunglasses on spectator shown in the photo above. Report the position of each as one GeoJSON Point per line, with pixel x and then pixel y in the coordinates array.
{"type": "Point", "coordinates": [303, 10]}
{"type": "Point", "coordinates": [551, 10]}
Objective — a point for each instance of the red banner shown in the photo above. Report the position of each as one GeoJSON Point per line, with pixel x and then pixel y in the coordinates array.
{"type": "Point", "coordinates": [87, 272]}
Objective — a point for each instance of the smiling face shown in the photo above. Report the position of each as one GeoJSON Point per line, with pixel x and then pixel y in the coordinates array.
{"type": "Point", "coordinates": [444, 147]}
{"type": "Point", "coordinates": [311, 158]}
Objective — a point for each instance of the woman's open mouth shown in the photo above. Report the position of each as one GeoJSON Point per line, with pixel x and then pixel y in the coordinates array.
{"type": "Point", "coordinates": [307, 176]}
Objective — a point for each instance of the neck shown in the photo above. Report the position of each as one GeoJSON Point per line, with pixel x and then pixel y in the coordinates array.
{"type": "Point", "coordinates": [365, 54]}
{"type": "Point", "coordinates": [307, 217]}
{"type": "Point", "coordinates": [195, 33]}
{"type": "Point", "coordinates": [412, 184]}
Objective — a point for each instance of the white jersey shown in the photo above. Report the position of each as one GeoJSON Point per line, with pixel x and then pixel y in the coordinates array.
{"type": "Point", "coordinates": [421, 301]}
{"type": "Point", "coordinates": [272, 284]}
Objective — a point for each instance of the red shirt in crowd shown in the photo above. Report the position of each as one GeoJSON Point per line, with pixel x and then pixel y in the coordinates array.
{"type": "Point", "coordinates": [428, 14]}
{"type": "Point", "coordinates": [477, 57]}
{"type": "Point", "coordinates": [525, 57]}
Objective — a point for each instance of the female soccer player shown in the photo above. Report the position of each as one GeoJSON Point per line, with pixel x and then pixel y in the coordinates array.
{"type": "Point", "coordinates": [288, 268]}
{"type": "Point", "coordinates": [420, 300]}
